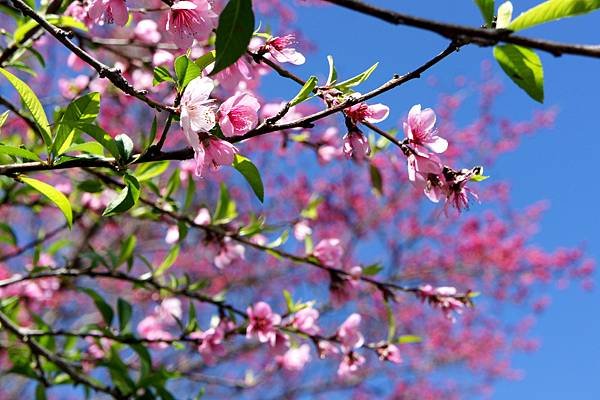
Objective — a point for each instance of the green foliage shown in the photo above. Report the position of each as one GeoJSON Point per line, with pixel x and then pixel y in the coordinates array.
{"type": "Point", "coordinates": [161, 74]}
{"type": "Point", "coordinates": [236, 25]}
{"type": "Point", "coordinates": [53, 195]}
{"type": "Point", "coordinates": [504, 15]}
{"type": "Point", "coordinates": [250, 172]}
{"type": "Point", "coordinates": [18, 152]}
{"type": "Point", "coordinates": [126, 199]}
{"type": "Point", "coordinates": [487, 10]}
{"type": "Point", "coordinates": [185, 70]}
{"type": "Point", "coordinates": [226, 209]}
{"type": "Point", "coordinates": [81, 111]}
{"type": "Point", "coordinates": [105, 310]}
{"type": "Point", "coordinates": [376, 180]}
{"type": "Point", "coordinates": [168, 261]}
{"type": "Point", "coordinates": [346, 85]}
{"type": "Point", "coordinates": [32, 103]}
{"type": "Point", "coordinates": [552, 10]}
{"type": "Point", "coordinates": [305, 92]}
{"type": "Point", "coordinates": [524, 67]}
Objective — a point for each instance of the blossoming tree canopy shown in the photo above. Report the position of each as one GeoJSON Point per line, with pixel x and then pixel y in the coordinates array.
{"type": "Point", "coordinates": [171, 229]}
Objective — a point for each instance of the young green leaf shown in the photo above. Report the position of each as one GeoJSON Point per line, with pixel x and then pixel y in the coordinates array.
{"type": "Point", "coordinates": [344, 86]}
{"type": "Point", "coordinates": [305, 92]}
{"type": "Point", "coordinates": [226, 208]}
{"type": "Point", "coordinates": [151, 170]}
{"type": "Point", "coordinates": [236, 24]}
{"type": "Point", "coordinates": [19, 152]}
{"type": "Point", "coordinates": [32, 103]}
{"type": "Point", "coordinates": [101, 137]}
{"type": "Point", "coordinates": [310, 211]}
{"type": "Point", "coordinates": [124, 146]}
{"type": "Point", "coordinates": [124, 311]}
{"type": "Point", "coordinates": [552, 10]}
{"type": "Point", "coordinates": [205, 60]}
{"type": "Point", "coordinates": [126, 199]}
{"type": "Point", "coordinates": [250, 172]}
{"type": "Point", "coordinates": [81, 111]}
{"type": "Point", "coordinates": [524, 67]}
{"type": "Point", "coordinates": [168, 261]}
{"type": "Point", "coordinates": [376, 180]}
{"type": "Point", "coordinates": [487, 10]}
{"type": "Point", "coordinates": [57, 20]}
{"type": "Point", "coordinates": [3, 118]}
{"type": "Point", "coordinates": [101, 305]}
{"type": "Point", "coordinates": [53, 195]}
{"type": "Point", "coordinates": [332, 75]}
{"type": "Point", "coordinates": [504, 15]}
{"type": "Point", "coordinates": [185, 70]}
{"type": "Point", "coordinates": [161, 74]}
{"type": "Point", "coordinates": [406, 339]}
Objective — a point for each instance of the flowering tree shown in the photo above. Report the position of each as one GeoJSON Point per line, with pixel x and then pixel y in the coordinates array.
{"type": "Point", "coordinates": [143, 254]}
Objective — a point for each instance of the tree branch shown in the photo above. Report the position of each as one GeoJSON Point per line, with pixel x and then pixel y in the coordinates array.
{"type": "Point", "coordinates": [480, 36]}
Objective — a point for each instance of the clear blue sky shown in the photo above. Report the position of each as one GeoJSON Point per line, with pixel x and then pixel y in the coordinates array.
{"type": "Point", "coordinates": [557, 165]}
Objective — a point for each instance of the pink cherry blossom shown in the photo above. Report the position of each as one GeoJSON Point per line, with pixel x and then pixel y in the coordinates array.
{"type": "Point", "coordinates": [329, 252]}
{"type": "Point", "coordinates": [326, 349]}
{"type": "Point", "coordinates": [302, 230]}
{"type": "Point", "coordinates": [228, 253]}
{"type": "Point", "coordinates": [172, 235]}
{"type": "Point", "coordinates": [350, 365]}
{"type": "Point", "coordinates": [218, 152]}
{"type": "Point", "coordinates": [389, 352]}
{"type": "Point", "coordinates": [108, 11]}
{"type": "Point", "coordinates": [425, 171]}
{"type": "Point", "coordinates": [444, 298]}
{"type": "Point", "coordinates": [162, 57]}
{"type": "Point", "coordinates": [295, 359]}
{"type": "Point", "coordinates": [348, 333]}
{"type": "Point", "coordinates": [231, 76]}
{"type": "Point", "coordinates": [238, 114]}
{"type": "Point", "coordinates": [279, 48]}
{"type": "Point", "coordinates": [305, 320]}
{"type": "Point", "coordinates": [211, 345]}
{"type": "Point", "coordinates": [356, 145]}
{"type": "Point", "coordinates": [79, 11]}
{"type": "Point", "coordinates": [146, 31]}
{"type": "Point", "coordinates": [189, 20]}
{"type": "Point", "coordinates": [168, 310]}
{"type": "Point", "coordinates": [203, 217]}
{"type": "Point", "coordinates": [262, 323]}
{"type": "Point", "coordinates": [420, 129]}
{"type": "Point", "coordinates": [152, 328]}
{"type": "Point", "coordinates": [457, 192]}
{"type": "Point", "coordinates": [362, 112]}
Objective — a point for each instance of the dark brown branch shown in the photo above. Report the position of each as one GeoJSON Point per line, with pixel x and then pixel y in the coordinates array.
{"type": "Point", "coordinates": [480, 36]}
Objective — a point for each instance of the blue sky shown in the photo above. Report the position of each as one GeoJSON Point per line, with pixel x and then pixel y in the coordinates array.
{"type": "Point", "coordinates": [557, 164]}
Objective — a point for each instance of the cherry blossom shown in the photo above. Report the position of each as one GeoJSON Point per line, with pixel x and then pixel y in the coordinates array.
{"type": "Point", "coordinates": [262, 323]}
{"type": "Point", "coordinates": [329, 252]}
{"type": "Point", "coordinates": [238, 114]}
{"type": "Point", "coordinates": [189, 20]}
{"type": "Point", "coordinates": [420, 129]}
{"type": "Point", "coordinates": [356, 145]}
{"type": "Point", "coordinates": [108, 11]}
{"type": "Point", "coordinates": [348, 333]}
{"type": "Point", "coordinates": [279, 48]}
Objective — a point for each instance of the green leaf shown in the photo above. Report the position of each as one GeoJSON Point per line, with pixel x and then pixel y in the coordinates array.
{"type": "Point", "coordinates": [372, 269]}
{"type": "Point", "coordinates": [101, 305]}
{"type": "Point", "coordinates": [101, 137]}
{"type": "Point", "coordinates": [332, 75]}
{"type": "Point", "coordinates": [204, 61]}
{"type": "Point", "coordinates": [487, 10]}
{"type": "Point", "coordinates": [524, 67]}
{"type": "Point", "coordinates": [168, 261]}
{"type": "Point", "coordinates": [124, 146]}
{"type": "Point", "coordinates": [3, 118]}
{"type": "Point", "coordinates": [356, 80]}
{"type": "Point", "coordinates": [151, 170]}
{"type": "Point", "coordinates": [250, 172]}
{"type": "Point", "coordinates": [81, 111]}
{"type": "Point", "coordinates": [479, 178]}
{"type": "Point", "coordinates": [7, 235]}
{"type": "Point", "coordinates": [18, 152]}
{"type": "Point", "coordinates": [226, 208]}
{"type": "Point", "coordinates": [236, 24]}
{"type": "Point", "coordinates": [126, 199]}
{"type": "Point", "coordinates": [57, 20]}
{"type": "Point", "coordinates": [124, 311]}
{"type": "Point", "coordinates": [376, 180]}
{"type": "Point", "coordinates": [94, 148]}
{"type": "Point", "coordinates": [127, 249]}
{"type": "Point", "coordinates": [310, 211]}
{"type": "Point", "coordinates": [305, 92]}
{"type": "Point", "coordinates": [161, 74]}
{"type": "Point", "coordinates": [280, 240]}
{"type": "Point", "coordinates": [406, 339]}
{"type": "Point", "coordinates": [185, 70]}
{"type": "Point", "coordinates": [504, 15]}
{"type": "Point", "coordinates": [32, 103]}
{"type": "Point", "coordinates": [40, 392]}
{"type": "Point", "coordinates": [552, 10]}
{"type": "Point", "coordinates": [53, 195]}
